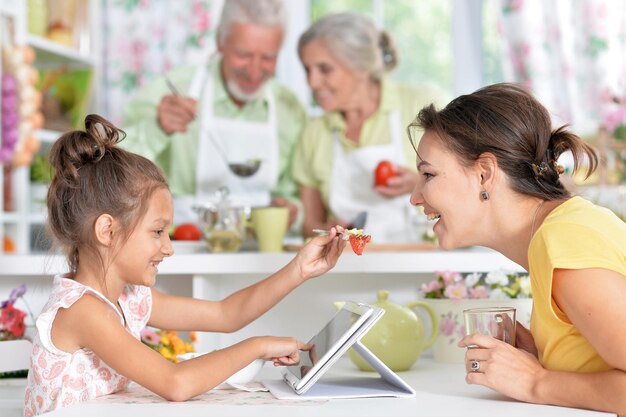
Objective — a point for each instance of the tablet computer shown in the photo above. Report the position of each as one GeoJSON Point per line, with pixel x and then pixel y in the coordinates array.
{"type": "Point", "coordinates": [347, 326]}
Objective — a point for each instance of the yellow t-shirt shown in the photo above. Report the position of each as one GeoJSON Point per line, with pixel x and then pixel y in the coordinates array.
{"type": "Point", "coordinates": [575, 235]}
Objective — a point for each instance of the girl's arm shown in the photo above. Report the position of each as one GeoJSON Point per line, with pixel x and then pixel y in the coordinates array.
{"type": "Point", "coordinates": [92, 324]}
{"type": "Point", "coordinates": [592, 299]}
{"type": "Point", "coordinates": [244, 306]}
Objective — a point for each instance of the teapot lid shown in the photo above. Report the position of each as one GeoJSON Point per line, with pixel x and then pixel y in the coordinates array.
{"type": "Point", "coordinates": [383, 296]}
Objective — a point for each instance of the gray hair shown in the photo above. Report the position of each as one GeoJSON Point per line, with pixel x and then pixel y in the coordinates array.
{"type": "Point", "coordinates": [354, 40]}
{"type": "Point", "coordinates": [259, 12]}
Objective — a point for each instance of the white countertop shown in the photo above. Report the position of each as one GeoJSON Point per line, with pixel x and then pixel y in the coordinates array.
{"type": "Point", "coordinates": [440, 391]}
{"type": "Point", "coordinates": [473, 259]}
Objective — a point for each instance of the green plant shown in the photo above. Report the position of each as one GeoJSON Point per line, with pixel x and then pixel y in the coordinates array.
{"type": "Point", "coordinates": [40, 170]}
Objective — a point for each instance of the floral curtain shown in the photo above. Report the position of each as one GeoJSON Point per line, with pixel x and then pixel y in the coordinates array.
{"type": "Point", "coordinates": [144, 39]}
{"type": "Point", "coordinates": [571, 54]}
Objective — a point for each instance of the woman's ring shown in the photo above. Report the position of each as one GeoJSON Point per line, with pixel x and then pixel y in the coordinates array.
{"type": "Point", "coordinates": [475, 366]}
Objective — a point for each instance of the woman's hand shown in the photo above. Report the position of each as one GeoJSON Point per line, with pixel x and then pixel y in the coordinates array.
{"type": "Point", "coordinates": [524, 340]}
{"type": "Point", "coordinates": [400, 184]}
{"type": "Point", "coordinates": [320, 254]}
{"type": "Point", "coordinates": [283, 351]}
{"type": "Point", "coordinates": [502, 367]}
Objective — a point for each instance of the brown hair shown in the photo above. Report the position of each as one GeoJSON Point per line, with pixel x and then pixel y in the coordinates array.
{"type": "Point", "coordinates": [508, 122]}
{"type": "Point", "coordinates": [93, 177]}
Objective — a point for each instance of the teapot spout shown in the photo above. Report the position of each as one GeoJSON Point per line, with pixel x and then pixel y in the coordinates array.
{"type": "Point", "coordinates": [339, 304]}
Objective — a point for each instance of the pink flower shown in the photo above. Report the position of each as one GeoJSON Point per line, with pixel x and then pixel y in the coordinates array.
{"type": "Point", "coordinates": [479, 292]}
{"type": "Point", "coordinates": [446, 325]}
{"type": "Point", "coordinates": [201, 23]}
{"type": "Point", "coordinates": [457, 291]}
{"type": "Point", "coordinates": [615, 118]}
{"type": "Point", "coordinates": [150, 337]}
{"type": "Point", "coordinates": [431, 286]}
{"type": "Point", "coordinates": [449, 277]}
{"type": "Point", "coordinates": [460, 331]}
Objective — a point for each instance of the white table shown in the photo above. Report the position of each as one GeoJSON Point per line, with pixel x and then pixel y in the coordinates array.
{"type": "Point", "coordinates": [441, 391]}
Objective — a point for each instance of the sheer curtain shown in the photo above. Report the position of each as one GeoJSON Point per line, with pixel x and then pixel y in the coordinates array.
{"type": "Point", "coordinates": [571, 54]}
{"type": "Point", "coordinates": [143, 39]}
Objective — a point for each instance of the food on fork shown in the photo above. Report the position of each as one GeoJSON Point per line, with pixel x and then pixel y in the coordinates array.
{"type": "Point", "coordinates": [357, 238]}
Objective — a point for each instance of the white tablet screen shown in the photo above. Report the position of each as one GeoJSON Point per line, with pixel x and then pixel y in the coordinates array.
{"type": "Point", "coordinates": [325, 343]}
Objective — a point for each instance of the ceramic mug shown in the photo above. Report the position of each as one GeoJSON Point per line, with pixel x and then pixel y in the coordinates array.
{"type": "Point", "coordinates": [270, 226]}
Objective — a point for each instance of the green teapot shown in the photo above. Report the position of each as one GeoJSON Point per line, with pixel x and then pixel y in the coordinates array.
{"type": "Point", "coordinates": [398, 338]}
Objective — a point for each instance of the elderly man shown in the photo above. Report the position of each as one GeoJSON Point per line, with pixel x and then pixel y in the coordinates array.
{"type": "Point", "coordinates": [196, 122]}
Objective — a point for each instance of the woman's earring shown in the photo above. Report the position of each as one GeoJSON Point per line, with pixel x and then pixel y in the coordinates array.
{"type": "Point", "coordinates": [484, 195]}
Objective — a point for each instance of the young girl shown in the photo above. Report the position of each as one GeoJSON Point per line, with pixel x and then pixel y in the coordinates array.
{"type": "Point", "coordinates": [110, 210]}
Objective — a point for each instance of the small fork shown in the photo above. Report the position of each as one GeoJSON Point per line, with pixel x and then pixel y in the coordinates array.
{"type": "Point", "coordinates": [323, 232]}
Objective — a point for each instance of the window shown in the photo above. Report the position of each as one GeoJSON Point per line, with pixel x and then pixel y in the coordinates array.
{"type": "Point", "coordinates": [420, 29]}
{"type": "Point", "coordinates": [424, 35]}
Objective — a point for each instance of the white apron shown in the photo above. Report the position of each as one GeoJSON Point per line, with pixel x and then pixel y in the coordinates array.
{"type": "Point", "coordinates": [352, 189]}
{"type": "Point", "coordinates": [239, 140]}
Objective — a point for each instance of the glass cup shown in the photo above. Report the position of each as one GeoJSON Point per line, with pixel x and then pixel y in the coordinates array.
{"type": "Point", "coordinates": [497, 322]}
{"type": "Point", "coordinates": [270, 226]}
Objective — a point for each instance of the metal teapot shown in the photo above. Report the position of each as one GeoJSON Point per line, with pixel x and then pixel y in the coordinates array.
{"type": "Point", "coordinates": [223, 224]}
{"type": "Point", "coordinates": [398, 339]}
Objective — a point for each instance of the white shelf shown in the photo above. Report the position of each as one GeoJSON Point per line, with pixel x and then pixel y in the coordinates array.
{"type": "Point", "coordinates": [52, 54]}
{"type": "Point", "coordinates": [11, 217]}
{"type": "Point", "coordinates": [37, 218]}
{"type": "Point", "coordinates": [19, 224]}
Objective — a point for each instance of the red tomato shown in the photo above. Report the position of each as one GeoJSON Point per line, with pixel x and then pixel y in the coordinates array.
{"type": "Point", "coordinates": [358, 243]}
{"type": "Point", "coordinates": [187, 231]}
{"type": "Point", "coordinates": [384, 171]}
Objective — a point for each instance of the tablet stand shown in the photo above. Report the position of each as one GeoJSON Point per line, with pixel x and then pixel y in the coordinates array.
{"type": "Point", "coordinates": [388, 385]}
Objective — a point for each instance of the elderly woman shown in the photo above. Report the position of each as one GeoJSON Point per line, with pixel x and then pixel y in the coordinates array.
{"type": "Point", "coordinates": [365, 115]}
{"type": "Point", "coordinates": [489, 177]}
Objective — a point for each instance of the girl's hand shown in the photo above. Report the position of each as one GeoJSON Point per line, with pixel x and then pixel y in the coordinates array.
{"type": "Point", "coordinates": [320, 254]}
{"type": "Point", "coordinates": [503, 368]}
{"type": "Point", "coordinates": [400, 184]}
{"type": "Point", "coordinates": [283, 351]}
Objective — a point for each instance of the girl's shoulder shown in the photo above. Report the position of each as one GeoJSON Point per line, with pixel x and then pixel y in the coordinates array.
{"type": "Point", "coordinates": [77, 302]}
{"type": "Point", "coordinates": [65, 292]}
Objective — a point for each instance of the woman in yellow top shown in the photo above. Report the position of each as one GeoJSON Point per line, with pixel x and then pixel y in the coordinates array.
{"type": "Point", "coordinates": [488, 176]}
{"type": "Point", "coordinates": [345, 57]}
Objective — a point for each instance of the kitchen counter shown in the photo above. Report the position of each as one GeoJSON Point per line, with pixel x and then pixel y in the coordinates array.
{"type": "Point", "coordinates": [203, 263]}
{"type": "Point", "coordinates": [440, 391]}
{"type": "Point", "coordinates": [194, 272]}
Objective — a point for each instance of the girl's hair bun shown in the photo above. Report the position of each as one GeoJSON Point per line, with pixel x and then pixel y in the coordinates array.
{"type": "Point", "coordinates": [78, 148]}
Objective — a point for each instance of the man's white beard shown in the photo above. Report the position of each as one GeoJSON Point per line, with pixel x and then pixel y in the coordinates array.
{"type": "Point", "coordinates": [236, 92]}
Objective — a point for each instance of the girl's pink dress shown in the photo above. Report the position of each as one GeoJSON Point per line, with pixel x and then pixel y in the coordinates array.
{"type": "Point", "coordinates": [59, 379]}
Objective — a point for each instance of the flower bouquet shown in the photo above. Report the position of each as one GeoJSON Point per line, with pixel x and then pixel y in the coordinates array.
{"type": "Point", "coordinates": [168, 343]}
{"type": "Point", "coordinates": [12, 323]}
{"type": "Point", "coordinates": [496, 285]}
{"type": "Point", "coordinates": [452, 292]}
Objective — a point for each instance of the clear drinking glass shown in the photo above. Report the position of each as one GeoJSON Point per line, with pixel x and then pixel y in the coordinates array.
{"type": "Point", "coordinates": [497, 322]}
